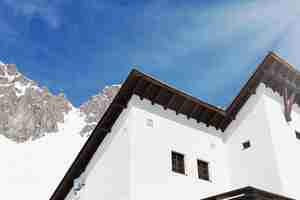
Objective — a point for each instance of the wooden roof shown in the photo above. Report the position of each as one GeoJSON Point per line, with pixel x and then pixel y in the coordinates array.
{"type": "Point", "coordinates": [248, 193]}
{"type": "Point", "coordinates": [273, 71]}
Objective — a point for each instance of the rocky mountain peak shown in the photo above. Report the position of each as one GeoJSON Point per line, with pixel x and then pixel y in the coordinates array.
{"type": "Point", "coordinates": [95, 107]}
{"type": "Point", "coordinates": [28, 111]}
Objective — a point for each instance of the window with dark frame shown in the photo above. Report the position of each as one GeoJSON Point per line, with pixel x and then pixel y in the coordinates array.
{"type": "Point", "coordinates": [178, 162]}
{"type": "Point", "coordinates": [203, 170]}
{"type": "Point", "coordinates": [246, 145]}
{"type": "Point", "coordinates": [297, 135]}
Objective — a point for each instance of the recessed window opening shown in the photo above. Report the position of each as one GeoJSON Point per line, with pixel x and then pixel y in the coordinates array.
{"type": "Point", "coordinates": [203, 170]}
{"type": "Point", "coordinates": [297, 135]}
{"type": "Point", "coordinates": [246, 145]}
{"type": "Point", "coordinates": [178, 163]}
{"type": "Point", "coordinates": [149, 122]}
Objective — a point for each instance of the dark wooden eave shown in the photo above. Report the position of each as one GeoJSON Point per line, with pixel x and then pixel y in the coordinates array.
{"type": "Point", "coordinates": [274, 72]}
{"type": "Point", "coordinates": [248, 193]}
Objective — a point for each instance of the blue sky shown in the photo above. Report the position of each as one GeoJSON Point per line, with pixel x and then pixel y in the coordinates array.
{"type": "Point", "coordinates": [206, 48]}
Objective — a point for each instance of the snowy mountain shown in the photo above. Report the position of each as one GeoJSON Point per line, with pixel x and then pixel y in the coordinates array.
{"type": "Point", "coordinates": [28, 112]}
{"type": "Point", "coordinates": [40, 134]}
{"type": "Point", "coordinates": [95, 107]}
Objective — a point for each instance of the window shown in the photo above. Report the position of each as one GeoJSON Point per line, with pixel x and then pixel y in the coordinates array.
{"type": "Point", "coordinates": [178, 162]}
{"type": "Point", "coordinates": [297, 135]}
{"type": "Point", "coordinates": [246, 145]}
{"type": "Point", "coordinates": [203, 171]}
{"type": "Point", "coordinates": [149, 122]}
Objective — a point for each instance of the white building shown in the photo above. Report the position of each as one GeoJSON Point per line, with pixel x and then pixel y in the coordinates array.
{"type": "Point", "coordinates": [155, 142]}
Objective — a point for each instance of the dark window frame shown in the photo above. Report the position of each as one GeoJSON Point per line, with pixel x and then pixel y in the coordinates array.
{"type": "Point", "coordinates": [203, 170]}
{"type": "Point", "coordinates": [246, 144]}
{"type": "Point", "coordinates": [297, 134]}
{"type": "Point", "coordinates": [178, 162]}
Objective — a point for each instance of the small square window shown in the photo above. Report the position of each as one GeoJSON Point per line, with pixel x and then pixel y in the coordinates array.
{"type": "Point", "coordinates": [178, 162]}
{"type": "Point", "coordinates": [149, 122]}
{"type": "Point", "coordinates": [203, 170]}
{"type": "Point", "coordinates": [297, 135]}
{"type": "Point", "coordinates": [246, 145]}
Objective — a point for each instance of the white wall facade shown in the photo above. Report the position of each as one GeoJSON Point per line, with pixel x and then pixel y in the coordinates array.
{"type": "Point", "coordinates": [107, 176]}
{"type": "Point", "coordinates": [286, 145]}
{"type": "Point", "coordinates": [134, 161]}
{"type": "Point", "coordinates": [256, 166]}
{"type": "Point", "coordinates": [151, 173]}
{"type": "Point", "coordinates": [272, 162]}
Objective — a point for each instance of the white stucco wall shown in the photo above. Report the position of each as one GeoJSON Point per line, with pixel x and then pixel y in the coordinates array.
{"type": "Point", "coordinates": [287, 146]}
{"type": "Point", "coordinates": [256, 166]}
{"type": "Point", "coordinates": [151, 147]}
{"type": "Point", "coordinates": [134, 161]}
{"type": "Point", "coordinates": [107, 175]}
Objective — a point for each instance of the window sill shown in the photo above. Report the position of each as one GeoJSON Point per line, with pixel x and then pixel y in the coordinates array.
{"type": "Point", "coordinates": [183, 174]}
{"type": "Point", "coordinates": [205, 181]}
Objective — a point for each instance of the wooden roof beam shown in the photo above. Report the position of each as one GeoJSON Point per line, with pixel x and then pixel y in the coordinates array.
{"type": "Point", "coordinates": [270, 73]}
{"type": "Point", "coordinates": [212, 119]}
{"type": "Point", "coordinates": [194, 110]}
{"type": "Point", "coordinates": [156, 95]}
{"type": "Point", "coordinates": [180, 109]}
{"type": "Point", "coordinates": [287, 83]}
{"type": "Point", "coordinates": [202, 116]}
{"type": "Point", "coordinates": [170, 102]}
{"type": "Point", "coordinates": [201, 109]}
{"type": "Point", "coordinates": [293, 79]}
{"type": "Point", "coordinates": [220, 123]}
{"type": "Point", "coordinates": [146, 90]}
{"type": "Point", "coordinates": [137, 87]}
{"type": "Point", "coordinates": [138, 84]}
{"type": "Point", "coordinates": [252, 90]}
{"type": "Point", "coordinates": [228, 117]}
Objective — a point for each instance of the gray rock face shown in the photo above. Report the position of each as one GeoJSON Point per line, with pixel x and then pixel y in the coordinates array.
{"type": "Point", "coordinates": [26, 110]}
{"type": "Point", "coordinates": [95, 107]}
